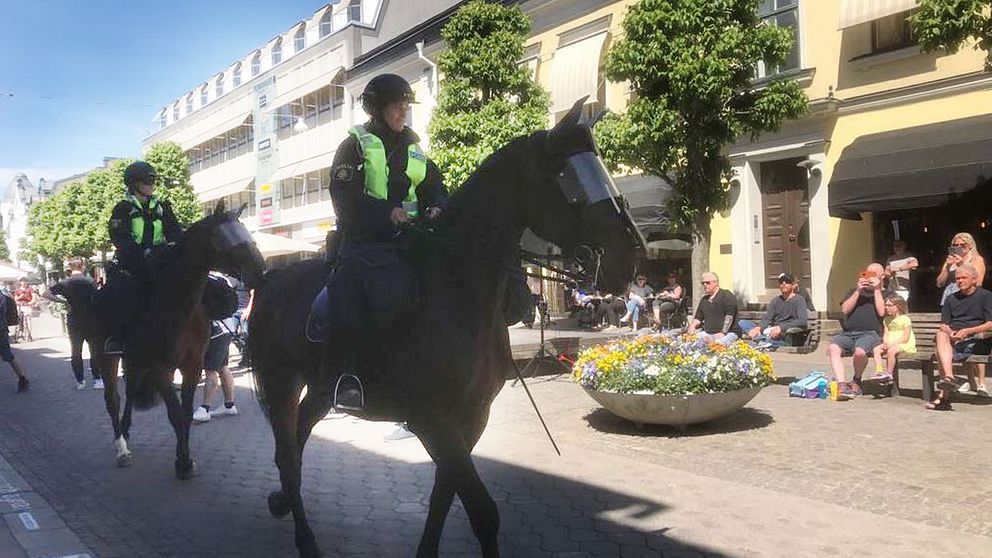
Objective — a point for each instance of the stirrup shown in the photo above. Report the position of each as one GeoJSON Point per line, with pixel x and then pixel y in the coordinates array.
{"type": "Point", "coordinates": [353, 397]}
{"type": "Point", "coordinates": [113, 345]}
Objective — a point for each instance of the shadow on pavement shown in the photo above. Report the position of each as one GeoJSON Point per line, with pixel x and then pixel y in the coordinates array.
{"type": "Point", "coordinates": [744, 419]}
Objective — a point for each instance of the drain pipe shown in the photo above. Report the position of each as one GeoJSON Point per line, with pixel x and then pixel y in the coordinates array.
{"type": "Point", "coordinates": [434, 84]}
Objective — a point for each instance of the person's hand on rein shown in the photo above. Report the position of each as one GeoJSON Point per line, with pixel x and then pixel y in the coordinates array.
{"type": "Point", "coordinates": [432, 213]}
{"type": "Point", "coordinates": [397, 216]}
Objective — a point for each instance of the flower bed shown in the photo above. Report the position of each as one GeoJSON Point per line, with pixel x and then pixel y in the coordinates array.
{"type": "Point", "coordinates": [661, 365]}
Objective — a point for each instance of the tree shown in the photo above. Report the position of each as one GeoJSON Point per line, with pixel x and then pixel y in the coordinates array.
{"type": "Point", "coordinates": [172, 167]}
{"type": "Point", "coordinates": [949, 24]}
{"type": "Point", "coordinates": [485, 98]}
{"type": "Point", "coordinates": [4, 249]}
{"type": "Point", "coordinates": [691, 68]}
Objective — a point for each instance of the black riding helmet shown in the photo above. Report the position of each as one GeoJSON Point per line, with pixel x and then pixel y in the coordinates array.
{"type": "Point", "coordinates": [385, 89]}
{"type": "Point", "coordinates": [138, 172]}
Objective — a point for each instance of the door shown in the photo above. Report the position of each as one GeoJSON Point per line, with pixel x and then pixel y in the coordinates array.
{"type": "Point", "coordinates": [785, 214]}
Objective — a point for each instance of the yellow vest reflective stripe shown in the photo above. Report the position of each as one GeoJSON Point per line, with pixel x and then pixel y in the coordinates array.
{"type": "Point", "coordinates": [377, 168]}
{"type": "Point", "coordinates": [138, 220]}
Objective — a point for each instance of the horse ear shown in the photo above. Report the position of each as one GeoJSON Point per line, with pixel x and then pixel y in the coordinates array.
{"type": "Point", "coordinates": [572, 117]}
{"type": "Point", "coordinates": [599, 116]}
{"type": "Point", "coordinates": [219, 208]}
{"type": "Point", "coordinates": [242, 209]}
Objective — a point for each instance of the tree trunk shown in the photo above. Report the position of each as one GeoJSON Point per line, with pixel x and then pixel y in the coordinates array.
{"type": "Point", "coordinates": [700, 255]}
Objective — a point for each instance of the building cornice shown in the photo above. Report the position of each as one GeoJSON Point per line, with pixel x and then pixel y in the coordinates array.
{"type": "Point", "coordinates": [966, 83]}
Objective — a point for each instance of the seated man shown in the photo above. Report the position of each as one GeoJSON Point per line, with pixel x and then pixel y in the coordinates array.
{"type": "Point", "coordinates": [716, 313]}
{"type": "Point", "coordinates": [864, 307]}
{"type": "Point", "coordinates": [786, 311]}
{"type": "Point", "coordinates": [965, 313]}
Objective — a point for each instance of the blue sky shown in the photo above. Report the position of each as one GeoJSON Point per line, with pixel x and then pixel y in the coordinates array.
{"type": "Point", "coordinates": [83, 79]}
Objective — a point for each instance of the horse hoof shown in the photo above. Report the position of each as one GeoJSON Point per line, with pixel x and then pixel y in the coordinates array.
{"type": "Point", "coordinates": [124, 460]}
{"type": "Point", "coordinates": [278, 505]}
{"type": "Point", "coordinates": [185, 470]}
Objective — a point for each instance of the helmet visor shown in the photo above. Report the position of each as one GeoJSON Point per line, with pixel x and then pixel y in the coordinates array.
{"type": "Point", "coordinates": [585, 180]}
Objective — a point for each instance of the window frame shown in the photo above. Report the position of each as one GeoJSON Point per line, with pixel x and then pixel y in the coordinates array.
{"type": "Point", "coordinates": [189, 102]}
{"type": "Point", "coordinates": [204, 95]}
{"type": "Point", "coordinates": [256, 63]}
{"type": "Point", "coordinates": [300, 39]}
{"type": "Point", "coordinates": [219, 86]}
{"type": "Point", "coordinates": [326, 26]}
{"type": "Point", "coordinates": [275, 55]}
{"type": "Point", "coordinates": [906, 38]}
{"type": "Point", "coordinates": [770, 17]}
{"type": "Point", "coordinates": [236, 75]}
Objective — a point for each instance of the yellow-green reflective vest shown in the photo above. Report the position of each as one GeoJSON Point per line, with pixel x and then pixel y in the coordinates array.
{"type": "Point", "coordinates": [138, 220]}
{"type": "Point", "coordinates": [377, 168]}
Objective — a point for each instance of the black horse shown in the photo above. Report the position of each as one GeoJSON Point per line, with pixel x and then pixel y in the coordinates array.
{"type": "Point", "coordinates": [174, 330]}
{"type": "Point", "coordinates": [441, 369]}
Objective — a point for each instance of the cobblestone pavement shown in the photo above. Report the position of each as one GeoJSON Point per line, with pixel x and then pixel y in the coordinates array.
{"type": "Point", "coordinates": [783, 477]}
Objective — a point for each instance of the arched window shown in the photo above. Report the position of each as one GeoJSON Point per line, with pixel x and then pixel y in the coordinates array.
{"type": "Point", "coordinates": [175, 111]}
{"type": "Point", "coordinates": [161, 119]}
{"type": "Point", "coordinates": [189, 102]}
{"type": "Point", "coordinates": [219, 86]}
{"type": "Point", "coordinates": [236, 75]}
{"type": "Point", "coordinates": [256, 63]}
{"type": "Point", "coordinates": [325, 24]}
{"type": "Point", "coordinates": [300, 39]}
{"type": "Point", "coordinates": [277, 51]}
{"type": "Point", "coordinates": [204, 95]}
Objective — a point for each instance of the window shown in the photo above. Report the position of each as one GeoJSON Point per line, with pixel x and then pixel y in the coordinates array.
{"type": "Point", "coordinates": [337, 100]}
{"type": "Point", "coordinates": [204, 96]}
{"type": "Point", "coordinates": [325, 181]}
{"type": "Point", "coordinates": [781, 13]}
{"type": "Point", "coordinates": [300, 39]}
{"type": "Point", "coordinates": [310, 109]}
{"type": "Point", "coordinates": [161, 119]}
{"type": "Point", "coordinates": [175, 111]}
{"type": "Point", "coordinates": [277, 52]}
{"type": "Point", "coordinates": [189, 102]}
{"type": "Point", "coordinates": [313, 187]}
{"type": "Point", "coordinates": [219, 86]}
{"type": "Point", "coordinates": [256, 64]}
{"type": "Point", "coordinates": [892, 33]}
{"type": "Point", "coordinates": [236, 75]}
{"type": "Point", "coordinates": [355, 10]}
{"type": "Point", "coordinates": [325, 24]}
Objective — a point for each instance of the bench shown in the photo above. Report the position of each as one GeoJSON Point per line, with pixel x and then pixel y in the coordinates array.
{"type": "Point", "coordinates": [925, 326]}
{"type": "Point", "coordinates": [799, 341]}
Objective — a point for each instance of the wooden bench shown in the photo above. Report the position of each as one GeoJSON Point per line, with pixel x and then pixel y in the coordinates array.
{"type": "Point", "coordinates": [925, 326]}
{"type": "Point", "coordinates": [799, 341]}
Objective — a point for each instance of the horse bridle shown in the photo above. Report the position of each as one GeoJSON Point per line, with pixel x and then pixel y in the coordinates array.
{"type": "Point", "coordinates": [229, 235]}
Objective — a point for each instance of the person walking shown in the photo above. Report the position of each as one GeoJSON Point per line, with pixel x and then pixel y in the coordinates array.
{"type": "Point", "coordinates": [215, 366]}
{"type": "Point", "coordinates": [25, 298]}
{"type": "Point", "coordinates": [76, 291]}
{"type": "Point", "coordinates": [6, 353]}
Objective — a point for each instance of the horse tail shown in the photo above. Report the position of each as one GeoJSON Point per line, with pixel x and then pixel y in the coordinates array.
{"type": "Point", "coordinates": [141, 391]}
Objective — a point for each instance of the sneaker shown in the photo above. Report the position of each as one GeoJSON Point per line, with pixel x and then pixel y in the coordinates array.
{"type": "Point", "coordinates": [400, 433]}
{"type": "Point", "coordinates": [610, 328]}
{"type": "Point", "coordinates": [982, 392]}
{"type": "Point", "coordinates": [854, 388]}
{"type": "Point", "coordinates": [334, 414]}
{"type": "Point", "coordinates": [625, 318]}
{"type": "Point", "coordinates": [98, 383]}
{"type": "Point", "coordinates": [224, 411]}
{"type": "Point", "coordinates": [22, 384]}
{"type": "Point", "coordinates": [201, 414]}
{"type": "Point", "coordinates": [883, 377]}
{"type": "Point", "coordinates": [965, 389]}
{"type": "Point", "coordinates": [80, 386]}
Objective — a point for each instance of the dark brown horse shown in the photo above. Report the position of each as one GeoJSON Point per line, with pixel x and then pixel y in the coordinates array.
{"type": "Point", "coordinates": [173, 331]}
{"type": "Point", "coordinates": [440, 369]}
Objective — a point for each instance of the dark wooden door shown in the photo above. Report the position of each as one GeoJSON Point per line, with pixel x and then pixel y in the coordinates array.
{"type": "Point", "coordinates": [785, 214]}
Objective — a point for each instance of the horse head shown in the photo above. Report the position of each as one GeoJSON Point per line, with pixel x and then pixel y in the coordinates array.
{"type": "Point", "coordinates": [233, 250]}
{"type": "Point", "coordinates": [575, 204]}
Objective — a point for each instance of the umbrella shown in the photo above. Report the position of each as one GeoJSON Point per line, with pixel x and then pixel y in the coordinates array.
{"type": "Point", "coordinates": [11, 273]}
{"type": "Point", "coordinates": [274, 245]}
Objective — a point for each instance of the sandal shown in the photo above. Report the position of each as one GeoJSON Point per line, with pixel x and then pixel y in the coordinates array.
{"type": "Point", "coordinates": [939, 404]}
{"type": "Point", "coordinates": [947, 383]}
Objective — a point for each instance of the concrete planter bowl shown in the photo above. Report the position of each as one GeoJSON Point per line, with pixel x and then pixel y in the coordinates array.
{"type": "Point", "coordinates": [673, 410]}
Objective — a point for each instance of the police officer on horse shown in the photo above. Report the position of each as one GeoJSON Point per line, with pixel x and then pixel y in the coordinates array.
{"type": "Point", "coordinates": [380, 179]}
{"type": "Point", "coordinates": [141, 225]}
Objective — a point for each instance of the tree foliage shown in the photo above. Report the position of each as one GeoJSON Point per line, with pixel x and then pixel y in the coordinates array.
{"type": "Point", "coordinates": [949, 24]}
{"type": "Point", "coordinates": [691, 66]}
{"type": "Point", "coordinates": [4, 249]}
{"type": "Point", "coordinates": [485, 98]}
{"type": "Point", "coordinates": [74, 222]}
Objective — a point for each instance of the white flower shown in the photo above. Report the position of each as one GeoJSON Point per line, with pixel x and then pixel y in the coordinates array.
{"type": "Point", "coordinates": [652, 370]}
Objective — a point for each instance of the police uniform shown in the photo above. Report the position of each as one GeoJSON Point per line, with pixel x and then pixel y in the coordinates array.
{"type": "Point", "coordinates": [136, 227]}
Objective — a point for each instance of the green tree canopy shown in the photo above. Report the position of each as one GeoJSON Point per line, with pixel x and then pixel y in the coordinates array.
{"type": "Point", "coordinates": [485, 98]}
{"type": "Point", "coordinates": [949, 24]}
{"type": "Point", "coordinates": [4, 249]}
{"type": "Point", "coordinates": [691, 66]}
{"type": "Point", "coordinates": [172, 167]}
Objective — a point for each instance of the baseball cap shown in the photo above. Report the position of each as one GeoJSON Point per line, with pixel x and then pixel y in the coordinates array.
{"type": "Point", "coordinates": [786, 278]}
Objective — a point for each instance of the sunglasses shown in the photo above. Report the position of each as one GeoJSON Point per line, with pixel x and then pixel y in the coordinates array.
{"type": "Point", "coordinates": [958, 244]}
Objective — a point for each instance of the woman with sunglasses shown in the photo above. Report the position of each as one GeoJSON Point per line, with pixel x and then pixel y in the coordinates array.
{"type": "Point", "coordinates": [961, 251]}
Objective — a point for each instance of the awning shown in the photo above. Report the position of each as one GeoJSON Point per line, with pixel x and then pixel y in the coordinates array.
{"type": "Point", "coordinates": [299, 168]}
{"type": "Point", "coordinates": [856, 12]}
{"type": "Point", "coordinates": [646, 197]}
{"type": "Point", "coordinates": [925, 166]}
{"type": "Point", "coordinates": [275, 245]}
{"type": "Point", "coordinates": [224, 190]}
{"type": "Point", "coordinates": [11, 273]}
{"type": "Point", "coordinates": [575, 72]}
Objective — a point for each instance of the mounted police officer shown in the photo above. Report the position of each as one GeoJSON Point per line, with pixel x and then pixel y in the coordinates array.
{"type": "Point", "coordinates": [380, 179]}
{"type": "Point", "coordinates": [141, 225]}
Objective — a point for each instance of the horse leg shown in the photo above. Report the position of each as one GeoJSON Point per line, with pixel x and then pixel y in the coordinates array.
{"type": "Point", "coordinates": [284, 415]}
{"type": "Point", "coordinates": [455, 470]}
{"type": "Point", "coordinates": [191, 377]}
{"type": "Point", "coordinates": [112, 401]}
{"type": "Point", "coordinates": [184, 465]}
{"type": "Point", "coordinates": [313, 408]}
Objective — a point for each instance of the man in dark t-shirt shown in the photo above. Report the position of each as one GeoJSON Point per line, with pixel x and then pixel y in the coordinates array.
{"type": "Point", "coordinates": [76, 291]}
{"type": "Point", "coordinates": [716, 314]}
{"type": "Point", "coordinates": [965, 314]}
{"type": "Point", "coordinates": [863, 307]}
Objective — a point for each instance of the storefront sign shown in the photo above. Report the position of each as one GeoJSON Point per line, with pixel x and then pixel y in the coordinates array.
{"type": "Point", "coordinates": [267, 153]}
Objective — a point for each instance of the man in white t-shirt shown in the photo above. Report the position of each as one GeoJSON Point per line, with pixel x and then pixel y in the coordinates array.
{"type": "Point", "coordinates": [897, 269]}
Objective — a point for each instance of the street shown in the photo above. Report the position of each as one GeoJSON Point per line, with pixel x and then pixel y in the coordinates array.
{"type": "Point", "coordinates": [783, 477]}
